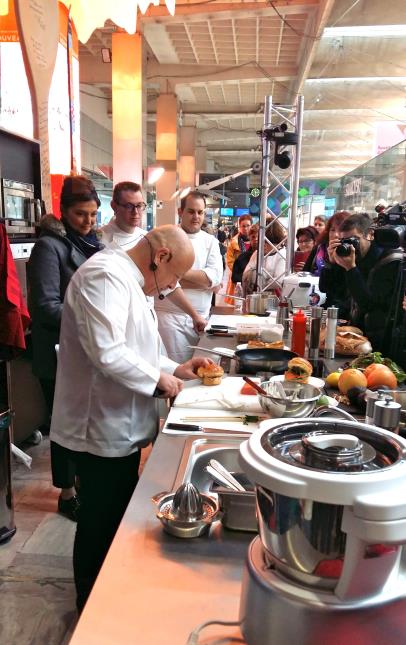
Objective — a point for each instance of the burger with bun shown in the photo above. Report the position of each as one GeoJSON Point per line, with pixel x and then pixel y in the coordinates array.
{"type": "Point", "coordinates": [299, 370]}
{"type": "Point", "coordinates": [211, 374]}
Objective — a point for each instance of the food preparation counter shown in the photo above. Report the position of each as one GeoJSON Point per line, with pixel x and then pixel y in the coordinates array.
{"type": "Point", "coordinates": [154, 589]}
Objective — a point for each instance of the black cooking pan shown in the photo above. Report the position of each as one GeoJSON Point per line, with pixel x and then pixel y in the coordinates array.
{"type": "Point", "coordinates": [258, 359]}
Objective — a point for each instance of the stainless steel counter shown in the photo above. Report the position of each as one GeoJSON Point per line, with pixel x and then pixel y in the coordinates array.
{"type": "Point", "coordinates": [155, 588]}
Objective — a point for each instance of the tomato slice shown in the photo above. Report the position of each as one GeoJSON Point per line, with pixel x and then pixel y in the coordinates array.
{"type": "Point", "coordinates": [247, 389]}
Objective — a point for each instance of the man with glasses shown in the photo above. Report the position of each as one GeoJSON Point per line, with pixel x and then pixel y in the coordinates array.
{"type": "Point", "coordinates": [128, 205]}
{"type": "Point", "coordinates": [369, 272]}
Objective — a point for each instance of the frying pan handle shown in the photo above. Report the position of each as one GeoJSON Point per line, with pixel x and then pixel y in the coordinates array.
{"type": "Point", "coordinates": [219, 351]}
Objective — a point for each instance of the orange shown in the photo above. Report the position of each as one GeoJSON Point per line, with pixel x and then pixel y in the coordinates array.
{"type": "Point", "coordinates": [373, 367]}
{"type": "Point", "coordinates": [382, 376]}
{"type": "Point", "coordinates": [351, 378]}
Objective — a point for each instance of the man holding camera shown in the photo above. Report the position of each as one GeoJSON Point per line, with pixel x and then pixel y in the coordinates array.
{"type": "Point", "coordinates": [370, 274]}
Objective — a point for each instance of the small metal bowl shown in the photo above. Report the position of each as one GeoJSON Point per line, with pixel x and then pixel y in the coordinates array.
{"type": "Point", "coordinates": [299, 400]}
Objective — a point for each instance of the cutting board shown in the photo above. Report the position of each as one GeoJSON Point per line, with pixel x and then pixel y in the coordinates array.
{"type": "Point", "coordinates": [225, 396]}
{"type": "Point", "coordinates": [178, 415]}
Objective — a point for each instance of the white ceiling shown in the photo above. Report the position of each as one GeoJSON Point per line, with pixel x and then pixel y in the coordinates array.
{"type": "Point", "coordinates": [222, 58]}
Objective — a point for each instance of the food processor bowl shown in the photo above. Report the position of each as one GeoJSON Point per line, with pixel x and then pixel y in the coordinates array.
{"type": "Point", "coordinates": [329, 501]}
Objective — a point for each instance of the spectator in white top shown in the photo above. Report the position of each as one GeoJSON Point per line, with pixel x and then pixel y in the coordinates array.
{"type": "Point", "coordinates": [178, 330]}
{"type": "Point", "coordinates": [124, 228]}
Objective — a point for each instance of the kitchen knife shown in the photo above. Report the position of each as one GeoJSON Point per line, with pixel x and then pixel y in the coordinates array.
{"type": "Point", "coordinates": [189, 427]}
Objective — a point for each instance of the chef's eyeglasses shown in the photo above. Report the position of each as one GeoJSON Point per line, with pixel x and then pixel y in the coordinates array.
{"type": "Point", "coordinates": [131, 208]}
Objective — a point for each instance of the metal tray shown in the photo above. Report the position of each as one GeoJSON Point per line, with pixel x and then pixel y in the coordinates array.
{"type": "Point", "coordinates": [238, 508]}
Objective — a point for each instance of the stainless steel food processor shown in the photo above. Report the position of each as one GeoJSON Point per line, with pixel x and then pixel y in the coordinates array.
{"type": "Point", "coordinates": [327, 564]}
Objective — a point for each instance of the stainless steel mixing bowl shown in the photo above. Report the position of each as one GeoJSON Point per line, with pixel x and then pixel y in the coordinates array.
{"type": "Point", "coordinates": [288, 399]}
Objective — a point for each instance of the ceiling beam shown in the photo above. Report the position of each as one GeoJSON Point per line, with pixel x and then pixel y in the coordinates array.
{"type": "Point", "coordinates": [200, 11]}
{"type": "Point", "coordinates": [314, 28]}
{"type": "Point", "coordinates": [201, 75]}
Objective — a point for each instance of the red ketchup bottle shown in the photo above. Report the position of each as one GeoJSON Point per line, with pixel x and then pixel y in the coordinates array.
{"type": "Point", "coordinates": [299, 333]}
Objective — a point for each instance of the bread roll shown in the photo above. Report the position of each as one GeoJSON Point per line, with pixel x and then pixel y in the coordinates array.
{"type": "Point", "coordinates": [211, 374]}
{"type": "Point", "coordinates": [299, 370]}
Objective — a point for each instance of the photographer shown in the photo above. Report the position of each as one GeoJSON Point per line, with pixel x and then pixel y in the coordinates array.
{"type": "Point", "coordinates": [370, 273]}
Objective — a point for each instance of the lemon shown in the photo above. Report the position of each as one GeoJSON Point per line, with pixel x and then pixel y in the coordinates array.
{"type": "Point", "coordinates": [332, 379]}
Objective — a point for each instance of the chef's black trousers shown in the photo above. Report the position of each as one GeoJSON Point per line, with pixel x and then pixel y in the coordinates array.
{"type": "Point", "coordinates": [62, 459]}
{"type": "Point", "coordinates": [106, 487]}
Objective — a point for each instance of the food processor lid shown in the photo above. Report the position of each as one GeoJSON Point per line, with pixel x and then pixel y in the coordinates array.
{"type": "Point", "coordinates": [332, 447]}
{"type": "Point", "coordinates": [326, 459]}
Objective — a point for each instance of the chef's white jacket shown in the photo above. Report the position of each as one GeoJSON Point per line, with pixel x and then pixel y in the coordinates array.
{"type": "Point", "coordinates": [114, 235]}
{"type": "Point", "coordinates": [109, 360]}
{"type": "Point", "coordinates": [176, 327]}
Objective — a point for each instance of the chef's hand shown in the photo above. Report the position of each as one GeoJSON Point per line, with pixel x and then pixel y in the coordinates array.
{"type": "Point", "coordinates": [199, 323]}
{"type": "Point", "coordinates": [331, 249]}
{"type": "Point", "coordinates": [404, 303]}
{"type": "Point", "coordinates": [348, 262]}
{"type": "Point", "coordinates": [188, 370]}
{"type": "Point", "coordinates": [169, 385]}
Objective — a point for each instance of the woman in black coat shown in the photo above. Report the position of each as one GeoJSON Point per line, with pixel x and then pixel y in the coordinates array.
{"type": "Point", "coordinates": [62, 247]}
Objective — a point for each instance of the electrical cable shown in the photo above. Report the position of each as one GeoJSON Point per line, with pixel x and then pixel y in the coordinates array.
{"type": "Point", "coordinates": [193, 638]}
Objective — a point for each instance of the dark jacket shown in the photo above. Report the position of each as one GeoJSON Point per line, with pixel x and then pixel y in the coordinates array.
{"type": "Point", "coordinates": [367, 290]}
{"type": "Point", "coordinates": [53, 261]}
{"type": "Point", "coordinates": [240, 264]}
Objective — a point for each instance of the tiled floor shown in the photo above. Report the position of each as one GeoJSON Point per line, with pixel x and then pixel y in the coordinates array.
{"type": "Point", "coordinates": [37, 601]}
{"type": "Point", "coordinates": [36, 580]}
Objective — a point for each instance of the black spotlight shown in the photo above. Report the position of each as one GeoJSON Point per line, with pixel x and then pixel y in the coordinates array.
{"type": "Point", "coordinates": [282, 159]}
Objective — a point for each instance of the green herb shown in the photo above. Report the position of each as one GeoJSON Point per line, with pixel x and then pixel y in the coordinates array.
{"type": "Point", "coordinates": [250, 419]}
{"type": "Point", "coordinates": [361, 362]}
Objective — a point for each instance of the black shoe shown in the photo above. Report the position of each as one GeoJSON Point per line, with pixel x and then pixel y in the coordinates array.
{"type": "Point", "coordinates": [69, 507]}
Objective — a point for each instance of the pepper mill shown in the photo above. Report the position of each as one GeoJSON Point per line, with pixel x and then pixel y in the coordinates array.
{"type": "Point", "coordinates": [315, 326]}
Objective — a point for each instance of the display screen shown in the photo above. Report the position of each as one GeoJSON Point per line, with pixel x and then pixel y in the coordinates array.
{"type": "Point", "coordinates": [228, 212]}
{"type": "Point", "coordinates": [241, 211]}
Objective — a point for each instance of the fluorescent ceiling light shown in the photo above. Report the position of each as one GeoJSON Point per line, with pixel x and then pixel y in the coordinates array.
{"type": "Point", "coordinates": [367, 32]}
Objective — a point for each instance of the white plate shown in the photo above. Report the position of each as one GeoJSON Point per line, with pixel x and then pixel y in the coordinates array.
{"type": "Point", "coordinates": [317, 382]}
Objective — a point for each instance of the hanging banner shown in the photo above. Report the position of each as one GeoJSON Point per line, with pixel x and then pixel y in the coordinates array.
{"type": "Point", "coordinates": [38, 27]}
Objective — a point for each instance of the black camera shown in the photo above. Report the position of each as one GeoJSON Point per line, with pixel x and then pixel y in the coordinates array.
{"type": "Point", "coordinates": [390, 231]}
{"type": "Point", "coordinates": [344, 248]}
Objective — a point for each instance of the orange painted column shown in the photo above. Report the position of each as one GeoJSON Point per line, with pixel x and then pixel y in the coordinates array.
{"type": "Point", "coordinates": [127, 103]}
{"type": "Point", "coordinates": [166, 156]}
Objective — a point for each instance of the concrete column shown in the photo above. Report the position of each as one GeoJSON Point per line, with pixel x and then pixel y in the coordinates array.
{"type": "Point", "coordinates": [127, 103]}
{"type": "Point", "coordinates": [166, 156]}
{"type": "Point", "coordinates": [187, 162]}
{"type": "Point", "coordinates": [201, 158]}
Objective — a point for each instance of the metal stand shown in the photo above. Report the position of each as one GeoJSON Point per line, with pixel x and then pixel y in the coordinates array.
{"type": "Point", "coordinates": [275, 137]}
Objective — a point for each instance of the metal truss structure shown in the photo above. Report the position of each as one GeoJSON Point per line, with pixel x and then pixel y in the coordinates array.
{"type": "Point", "coordinates": [281, 136]}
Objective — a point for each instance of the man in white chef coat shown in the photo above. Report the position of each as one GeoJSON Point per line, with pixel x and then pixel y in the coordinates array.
{"type": "Point", "coordinates": [128, 204]}
{"type": "Point", "coordinates": [110, 367]}
{"type": "Point", "coordinates": [177, 329]}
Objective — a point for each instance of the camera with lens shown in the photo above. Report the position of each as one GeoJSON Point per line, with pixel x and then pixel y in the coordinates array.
{"type": "Point", "coordinates": [390, 231]}
{"type": "Point", "coordinates": [343, 250]}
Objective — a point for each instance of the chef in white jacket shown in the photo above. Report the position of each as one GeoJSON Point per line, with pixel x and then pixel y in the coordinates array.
{"type": "Point", "coordinates": [178, 330]}
{"type": "Point", "coordinates": [124, 228]}
{"type": "Point", "coordinates": [110, 367]}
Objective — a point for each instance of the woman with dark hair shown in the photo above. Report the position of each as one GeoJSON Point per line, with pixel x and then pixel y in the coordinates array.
{"type": "Point", "coordinates": [318, 257]}
{"type": "Point", "coordinates": [64, 244]}
{"type": "Point", "coordinates": [320, 223]}
{"type": "Point", "coordinates": [239, 244]}
{"type": "Point", "coordinates": [274, 261]}
{"type": "Point", "coordinates": [306, 240]}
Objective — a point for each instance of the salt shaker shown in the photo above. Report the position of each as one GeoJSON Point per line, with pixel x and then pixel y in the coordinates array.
{"type": "Point", "coordinates": [387, 414]}
{"type": "Point", "coordinates": [331, 331]}
{"type": "Point", "coordinates": [371, 398]}
{"type": "Point", "coordinates": [315, 326]}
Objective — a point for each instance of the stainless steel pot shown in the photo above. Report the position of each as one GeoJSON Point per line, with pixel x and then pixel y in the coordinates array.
{"type": "Point", "coordinates": [261, 303]}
